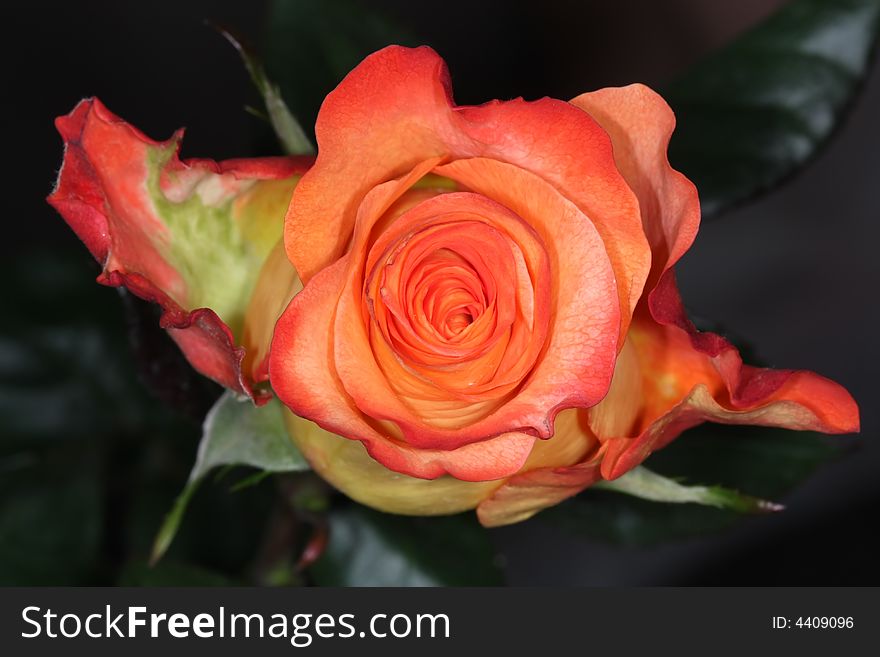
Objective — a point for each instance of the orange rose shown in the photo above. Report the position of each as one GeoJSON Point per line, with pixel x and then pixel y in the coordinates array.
{"type": "Point", "coordinates": [489, 316]}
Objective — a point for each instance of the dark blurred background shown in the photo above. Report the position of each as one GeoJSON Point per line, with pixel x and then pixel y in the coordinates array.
{"type": "Point", "coordinates": [795, 273]}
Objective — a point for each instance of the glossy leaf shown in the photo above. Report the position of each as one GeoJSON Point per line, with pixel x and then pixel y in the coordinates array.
{"type": "Point", "coordinates": [755, 112]}
{"type": "Point", "coordinates": [368, 548]}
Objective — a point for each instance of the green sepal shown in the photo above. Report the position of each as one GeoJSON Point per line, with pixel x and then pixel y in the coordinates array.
{"type": "Point", "coordinates": [234, 433]}
{"type": "Point", "coordinates": [290, 134]}
{"type": "Point", "coordinates": [642, 482]}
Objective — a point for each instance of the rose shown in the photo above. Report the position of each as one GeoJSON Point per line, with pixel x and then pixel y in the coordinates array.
{"type": "Point", "coordinates": [490, 317]}
{"type": "Point", "coordinates": [191, 235]}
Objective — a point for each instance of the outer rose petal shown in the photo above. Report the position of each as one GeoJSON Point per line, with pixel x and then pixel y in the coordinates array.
{"type": "Point", "coordinates": [189, 235]}
{"type": "Point", "coordinates": [640, 124]}
{"type": "Point", "coordinates": [691, 377]}
{"type": "Point", "coordinates": [395, 110]}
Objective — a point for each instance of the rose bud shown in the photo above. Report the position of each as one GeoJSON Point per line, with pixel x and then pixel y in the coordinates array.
{"type": "Point", "coordinates": [190, 235]}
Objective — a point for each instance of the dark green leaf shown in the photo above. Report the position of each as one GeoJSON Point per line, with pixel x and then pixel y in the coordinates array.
{"type": "Point", "coordinates": [368, 548]}
{"type": "Point", "coordinates": [753, 113]}
{"type": "Point", "coordinates": [312, 44]}
{"type": "Point", "coordinates": [632, 522]}
{"type": "Point", "coordinates": [762, 461]}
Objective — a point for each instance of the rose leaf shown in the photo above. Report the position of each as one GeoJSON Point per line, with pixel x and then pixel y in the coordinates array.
{"type": "Point", "coordinates": [368, 548]}
{"type": "Point", "coordinates": [754, 113]}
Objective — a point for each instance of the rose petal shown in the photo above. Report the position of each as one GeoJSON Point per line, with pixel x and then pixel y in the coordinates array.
{"type": "Point", "coordinates": [690, 377]}
{"type": "Point", "coordinates": [569, 462]}
{"type": "Point", "coordinates": [397, 102]}
{"type": "Point", "coordinates": [526, 494]}
{"type": "Point", "coordinates": [358, 355]}
{"type": "Point", "coordinates": [189, 235]}
{"type": "Point", "coordinates": [302, 371]}
{"type": "Point", "coordinates": [578, 364]}
{"type": "Point", "coordinates": [640, 124]}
